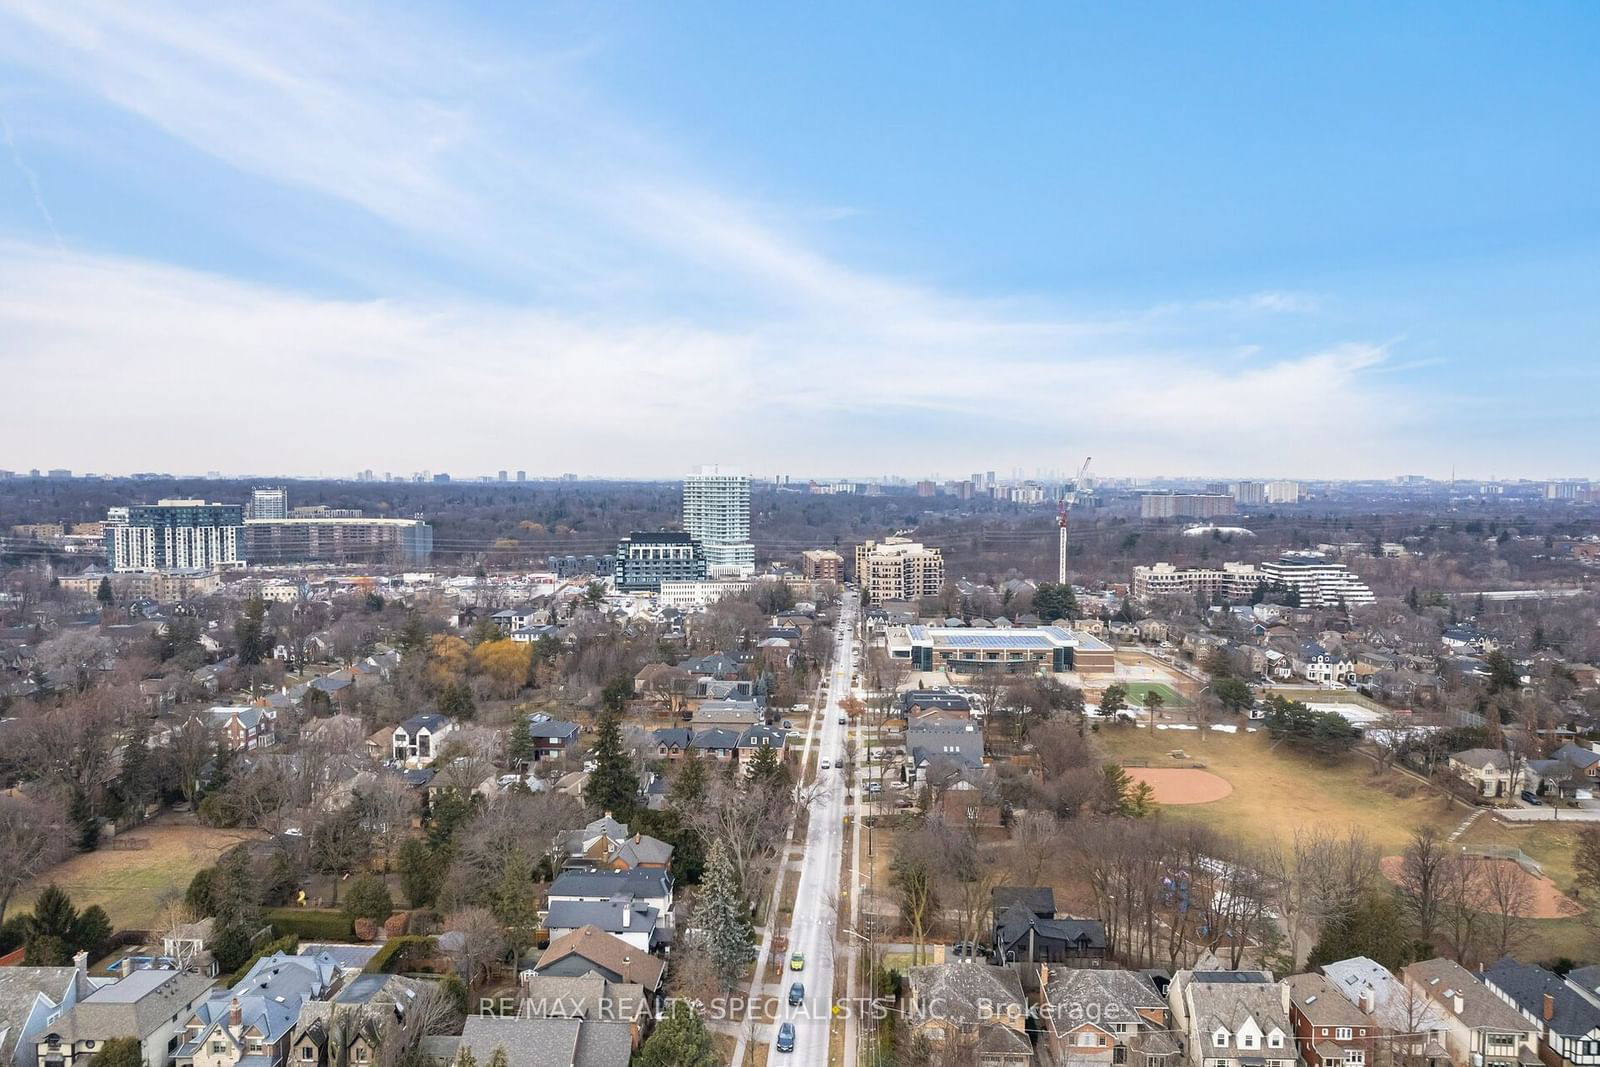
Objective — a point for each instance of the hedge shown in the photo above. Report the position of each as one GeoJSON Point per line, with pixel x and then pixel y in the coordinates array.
{"type": "Point", "coordinates": [310, 923]}
{"type": "Point", "coordinates": [385, 956]}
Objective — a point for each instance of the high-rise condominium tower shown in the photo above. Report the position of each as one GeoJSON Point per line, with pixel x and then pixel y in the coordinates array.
{"type": "Point", "coordinates": [716, 512]}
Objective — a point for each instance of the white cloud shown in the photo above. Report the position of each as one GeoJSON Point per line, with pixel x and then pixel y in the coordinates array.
{"type": "Point", "coordinates": [667, 321]}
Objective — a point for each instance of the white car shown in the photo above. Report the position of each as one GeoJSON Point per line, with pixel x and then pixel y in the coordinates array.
{"type": "Point", "coordinates": [823, 765]}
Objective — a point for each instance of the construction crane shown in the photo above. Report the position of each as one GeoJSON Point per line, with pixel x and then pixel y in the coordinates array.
{"type": "Point", "coordinates": [1068, 498]}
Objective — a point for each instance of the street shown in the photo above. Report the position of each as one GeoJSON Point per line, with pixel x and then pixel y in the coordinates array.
{"type": "Point", "coordinates": [814, 931]}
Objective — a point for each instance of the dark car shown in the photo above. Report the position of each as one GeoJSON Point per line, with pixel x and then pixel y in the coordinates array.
{"type": "Point", "coordinates": [797, 993]}
{"type": "Point", "coordinates": [966, 950]}
{"type": "Point", "coordinates": [786, 1037]}
{"type": "Point", "coordinates": [1530, 797]}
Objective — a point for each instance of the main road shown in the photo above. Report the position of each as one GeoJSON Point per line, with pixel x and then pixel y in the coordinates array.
{"type": "Point", "coordinates": [814, 931]}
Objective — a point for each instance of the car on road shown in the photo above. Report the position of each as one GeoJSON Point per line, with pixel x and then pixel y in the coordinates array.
{"type": "Point", "coordinates": [797, 993]}
{"type": "Point", "coordinates": [841, 720]}
{"type": "Point", "coordinates": [797, 962]}
{"type": "Point", "coordinates": [1530, 797]}
{"type": "Point", "coordinates": [966, 950]}
{"type": "Point", "coordinates": [786, 1037]}
{"type": "Point", "coordinates": [823, 765]}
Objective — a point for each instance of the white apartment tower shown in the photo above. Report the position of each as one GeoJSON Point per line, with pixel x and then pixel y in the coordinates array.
{"type": "Point", "coordinates": [716, 512]}
{"type": "Point", "coordinates": [269, 503]}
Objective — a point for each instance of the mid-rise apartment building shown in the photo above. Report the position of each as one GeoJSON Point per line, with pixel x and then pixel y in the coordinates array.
{"type": "Point", "coordinates": [269, 503]}
{"type": "Point", "coordinates": [1231, 581]}
{"type": "Point", "coordinates": [293, 540]}
{"type": "Point", "coordinates": [175, 534]}
{"type": "Point", "coordinates": [822, 565]}
{"type": "Point", "coordinates": [1318, 581]}
{"type": "Point", "coordinates": [1283, 492]}
{"type": "Point", "coordinates": [898, 568]}
{"type": "Point", "coordinates": [1321, 582]}
{"type": "Point", "coordinates": [716, 513]}
{"type": "Point", "coordinates": [1185, 505]}
{"type": "Point", "coordinates": [645, 560]}
{"type": "Point", "coordinates": [1249, 494]}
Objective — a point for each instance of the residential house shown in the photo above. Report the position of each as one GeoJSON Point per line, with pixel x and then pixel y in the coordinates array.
{"type": "Point", "coordinates": [29, 998]}
{"type": "Point", "coordinates": [590, 997]}
{"type": "Point", "coordinates": [547, 1042]}
{"type": "Point", "coordinates": [1394, 1006]}
{"type": "Point", "coordinates": [1232, 1018]}
{"type": "Point", "coordinates": [416, 741]}
{"type": "Point", "coordinates": [1475, 1026]}
{"type": "Point", "coordinates": [1329, 1031]}
{"type": "Point", "coordinates": [242, 729]}
{"type": "Point", "coordinates": [638, 925]}
{"type": "Point", "coordinates": [148, 1005]}
{"type": "Point", "coordinates": [643, 887]}
{"type": "Point", "coordinates": [253, 1022]}
{"type": "Point", "coordinates": [1565, 1015]}
{"type": "Point", "coordinates": [1491, 772]}
{"type": "Point", "coordinates": [552, 738]}
{"type": "Point", "coordinates": [959, 745]}
{"type": "Point", "coordinates": [1402, 686]}
{"type": "Point", "coordinates": [593, 951]}
{"type": "Point", "coordinates": [970, 1006]}
{"type": "Point", "coordinates": [1317, 664]}
{"type": "Point", "coordinates": [1099, 1018]}
{"type": "Point", "coordinates": [1024, 928]}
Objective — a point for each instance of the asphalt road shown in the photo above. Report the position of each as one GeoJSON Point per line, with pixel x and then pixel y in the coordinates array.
{"type": "Point", "coordinates": [815, 927]}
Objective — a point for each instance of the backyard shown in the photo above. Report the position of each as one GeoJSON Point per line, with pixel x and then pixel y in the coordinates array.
{"type": "Point", "coordinates": [131, 884]}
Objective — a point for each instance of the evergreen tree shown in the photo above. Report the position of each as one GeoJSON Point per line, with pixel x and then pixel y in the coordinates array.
{"type": "Point", "coordinates": [81, 812]}
{"type": "Point", "coordinates": [104, 594]}
{"type": "Point", "coordinates": [765, 767]}
{"type": "Point", "coordinates": [54, 916]}
{"type": "Point", "coordinates": [680, 1039]}
{"type": "Point", "coordinates": [1153, 701]}
{"type": "Point", "coordinates": [250, 632]}
{"type": "Point", "coordinates": [1413, 601]}
{"type": "Point", "coordinates": [456, 701]}
{"type": "Point", "coordinates": [1502, 672]}
{"type": "Point", "coordinates": [119, 1052]}
{"type": "Point", "coordinates": [419, 877]}
{"type": "Point", "coordinates": [1052, 601]}
{"type": "Point", "coordinates": [613, 785]}
{"type": "Point", "coordinates": [688, 785]}
{"type": "Point", "coordinates": [1371, 926]}
{"type": "Point", "coordinates": [1114, 699]}
{"type": "Point", "coordinates": [614, 697]}
{"type": "Point", "coordinates": [413, 636]}
{"type": "Point", "coordinates": [92, 931]}
{"type": "Point", "coordinates": [369, 899]}
{"type": "Point", "coordinates": [723, 918]}
{"type": "Point", "coordinates": [135, 780]}
{"type": "Point", "coordinates": [519, 749]}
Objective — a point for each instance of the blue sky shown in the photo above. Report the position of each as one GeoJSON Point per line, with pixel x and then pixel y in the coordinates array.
{"type": "Point", "coordinates": [1297, 240]}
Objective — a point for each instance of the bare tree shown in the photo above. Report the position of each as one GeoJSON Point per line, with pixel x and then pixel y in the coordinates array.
{"type": "Point", "coordinates": [479, 942]}
{"type": "Point", "coordinates": [1464, 904]}
{"type": "Point", "coordinates": [1422, 880]}
{"type": "Point", "coordinates": [31, 840]}
{"type": "Point", "coordinates": [1508, 899]}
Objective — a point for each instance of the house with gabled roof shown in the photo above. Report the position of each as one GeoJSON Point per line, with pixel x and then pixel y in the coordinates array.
{"type": "Point", "coordinates": [591, 950]}
{"type": "Point", "coordinates": [1475, 1026]}
{"type": "Point", "coordinates": [1565, 1015]}
{"type": "Point", "coordinates": [1098, 1017]}
{"type": "Point", "coordinates": [147, 1005]}
{"type": "Point", "coordinates": [972, 1007]}
{"type": "Point", "coordinates": [252, 1023]}
{"type": "Point", "coordinates": [1232, 1018]}
{"type": "Point", "coordinates": [416, 742]}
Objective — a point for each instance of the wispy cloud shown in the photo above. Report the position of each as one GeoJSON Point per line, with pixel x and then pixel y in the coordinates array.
{"type": "Point", "coordinates": [32, 178]}
{"type": "Point", "coordinates": [659, 318]}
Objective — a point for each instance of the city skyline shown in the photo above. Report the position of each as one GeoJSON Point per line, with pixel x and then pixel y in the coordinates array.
{"type": "Point", "coordinates": [1320, 244]}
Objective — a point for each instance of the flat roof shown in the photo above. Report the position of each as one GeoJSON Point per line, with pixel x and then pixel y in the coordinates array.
{"type": "Point", "coordinates": [1025, 637]}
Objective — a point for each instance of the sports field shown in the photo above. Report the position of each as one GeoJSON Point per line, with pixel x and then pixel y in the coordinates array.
{"type": "Point", "coordinates": [1169, 696]}
{"type": "Point", "coordinates": [132, 884]}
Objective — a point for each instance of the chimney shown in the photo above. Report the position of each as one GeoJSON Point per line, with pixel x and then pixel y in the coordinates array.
{"type": "Point", "coordinates": [80, 961]}
{"type": "Point", "coordinates": [235, 1016]}
{"type": "Point", "coordinates": [1459, 1004]}
{"type": "Point", "coordinates": [1365, 1001]}
{"type": "Point", "coordinates": [1549, 1007]}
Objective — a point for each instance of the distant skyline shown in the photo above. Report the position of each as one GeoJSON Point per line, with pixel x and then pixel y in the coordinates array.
{"type": "Point", "coordinates": [1308, 241]}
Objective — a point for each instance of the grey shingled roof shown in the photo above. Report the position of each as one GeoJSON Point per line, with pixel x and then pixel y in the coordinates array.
{"type": "Point", "coordinates": [968, 993]}
{"type": "Point", "coordinates": [1527, 986]}
{"type": "Point", "coordinates": [548, 1042]}
{"type": "Point", "coordinates": [1443, 979]}
{"type": "Point", "coordinates": [132, 1007]}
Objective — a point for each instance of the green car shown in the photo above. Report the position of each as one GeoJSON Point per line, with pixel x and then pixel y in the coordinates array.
{"type": "Point", "coordinates": [797, 962]}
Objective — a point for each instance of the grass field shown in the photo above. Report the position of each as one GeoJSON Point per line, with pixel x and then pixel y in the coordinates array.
{"type": "Point", "coordinates": [1276, 790]}
{"type": "Point", "coordinates": [133, 884]}
{"type": "Point", "coordinates": [1169, 696]}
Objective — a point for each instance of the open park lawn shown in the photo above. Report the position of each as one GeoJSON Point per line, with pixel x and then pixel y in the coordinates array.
{"type": "Point", "coordinates": [1277, 790]}
{"type": "Point", "coordinates": [132, 884]}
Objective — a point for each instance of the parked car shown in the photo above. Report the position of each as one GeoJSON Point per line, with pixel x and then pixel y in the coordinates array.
{"type": "Point", "coordinates": [797, 993]}
{"type": "Point", "coordinates": [874, 787]}
{"type": "Point", "coordinates": [1530, 797]}
{"type": "Point", "coordinates": [786, 1037]}
{"type": "Point", "coordinates": [965, 950]}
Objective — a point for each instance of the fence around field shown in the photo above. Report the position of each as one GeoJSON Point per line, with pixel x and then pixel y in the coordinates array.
{"type": "Point", "coordinates": [1505, 852]}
